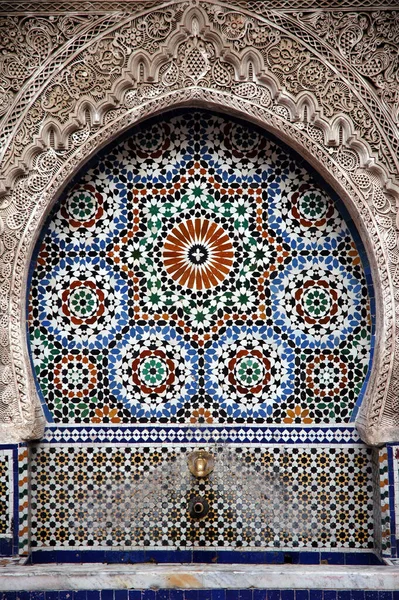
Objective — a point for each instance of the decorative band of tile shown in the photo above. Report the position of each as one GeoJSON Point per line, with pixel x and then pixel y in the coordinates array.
{"type": "Point", "coordinates": [202, 435]}
{"type": "Point", "coordinates": [6, 493]}
{"type": "Point", "coordinates": [23, 500]}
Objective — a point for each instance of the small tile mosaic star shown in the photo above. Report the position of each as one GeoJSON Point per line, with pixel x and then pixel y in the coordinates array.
{"type": "Point", "coordinates": [138, 497]}
{"type": "Point", "coordinates": [198, 273]}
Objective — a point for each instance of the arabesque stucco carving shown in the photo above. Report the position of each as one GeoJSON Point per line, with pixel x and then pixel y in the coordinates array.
{"type": "Point", "coordinates": [122, 68]}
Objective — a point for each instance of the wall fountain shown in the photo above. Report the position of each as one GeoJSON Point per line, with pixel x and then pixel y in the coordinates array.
{"type": "Point", "coordinates": [201, 361]}
{"type": "Point", "coordinates": [198, 289]}
{"type": "Point", "coordinates": [195, 282]}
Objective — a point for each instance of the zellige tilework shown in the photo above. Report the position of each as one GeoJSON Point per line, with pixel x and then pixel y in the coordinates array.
{"type": "Point", "coordinates": [259, 497]}
{"type": "Point", "coordinates": [6, 492]}
{"type": "Point", "coordinates": [197, 273]}
{"type": "Point", "coordinates": [23, 500]}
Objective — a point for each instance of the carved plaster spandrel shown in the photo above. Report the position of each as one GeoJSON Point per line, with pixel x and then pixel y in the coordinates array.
{"type": "Point", "coordinates": [26, 43]}
{"type": "Point", "coordinates": [369, 41]}
{"type": "Point", "coordinates": [31, 48]}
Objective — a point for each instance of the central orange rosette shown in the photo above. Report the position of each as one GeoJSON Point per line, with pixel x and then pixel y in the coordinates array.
{"type": "Point", "coordinates": [198, 254]}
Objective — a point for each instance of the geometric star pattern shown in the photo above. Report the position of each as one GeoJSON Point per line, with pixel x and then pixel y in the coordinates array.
{"type": "Point", "coordinates": [272, 497]}
{"type": "Point", "coordinates": [198, 272]}
{"type": "Point", "coordinates": [5, 493]}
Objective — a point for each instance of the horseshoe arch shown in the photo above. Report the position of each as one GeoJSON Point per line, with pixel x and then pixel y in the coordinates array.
{"type": "Point", "coordinates": [201, 55]}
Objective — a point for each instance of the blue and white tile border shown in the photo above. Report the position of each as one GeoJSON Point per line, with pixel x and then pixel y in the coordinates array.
{"type": "Point", "coordinates": [201, 435]}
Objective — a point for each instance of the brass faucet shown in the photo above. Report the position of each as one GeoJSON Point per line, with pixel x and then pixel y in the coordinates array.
{"type": "Point", "coordinates": [201, 463]}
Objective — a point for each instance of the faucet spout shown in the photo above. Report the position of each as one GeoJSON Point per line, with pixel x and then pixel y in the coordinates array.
{"type": "Point", "coordinates": [201, 463]}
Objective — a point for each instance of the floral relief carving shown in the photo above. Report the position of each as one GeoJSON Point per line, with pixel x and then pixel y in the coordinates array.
{"type": "Point", "coordinates": [369, 42]}
{"type": "Point", "coordinates": [29, 45]}
{"type": "Point", "coordinates": [196, 55]}
{"type": "Point", "coordinates": [26, 43]}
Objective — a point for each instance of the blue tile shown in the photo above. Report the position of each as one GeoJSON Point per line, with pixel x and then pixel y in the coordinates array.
{"type": "Point", "coordinates": [245, 595]}
{"type": "Point", "coordinates": [22, 596]}
{"type": "Point", "coordinates": [221, 595]}
{"type": "Point", "coordinates": [385, 595]}
{"type": "Point", "coordinates": [202, 556]}
{"type": "Point", "coordinates": [120, 595]}
{"type": "Point", "coordinates": [357, 595]}
{"type": "Point", "coordinates": [287, 594]}
{"type": "Point", "coordinates": [375, 560]}
{"type": "Point", "coordinates": [273, 594]}
{"type": "Point", "coordinates": [204, 594]}
{"type": "Point", "coordinates": [176, 594]}
{"type": "Point", "coordinates": [357, 558]}
{"type": "Point", "coordinates": [309, 558]}
{"type": "Point", "coordinates": [52, 595]}
{"type": "Point", "coordinates": [91, 595]}
{"type": "Point", "coordinates": [316, 595]}
{"type": "Point", "coordinates": [231, 594]}
{"type": "Point", "coordinates": [123, 557]}
{"type": "Point", "coordinates": [302, 595]}
{"type": "Point", "coordinates": [37, 558]}
{"type": "Point", "coordinates": [259, 594]}
{"type": "Point", "coordinates": [68, 595]}
{"type": "Point", "coordinates": [81, 595]}
{"type": "Point", "coordinates": [37, 596]}
{"type": "Point", "coordinates": [371, 596]}
{"type": "Point", "coordinates": [188, 595]}
{"type": "Point", "coordinates": [5, 547]}
{"type": "Point", "coordinates": [162, 595]}
{"type": "Point", "coordinates": [344, 595]}
{"type": "Point", "coordinates": [168, 556]}
{"type": "Point", "coordinates": [333, 558]}
{"type": "Point", "coordinates": [134, 595]}
{"type": "Point", "coordinates": [274, 558]}
{"type": "Point", "coordinates": [107, 595]}
{"type": "Point", "coordinates": [288, 558]}
{"type": "Point", "coordinates": [249, 558]}
{"type": "Point", "coordinates": [330, 595]}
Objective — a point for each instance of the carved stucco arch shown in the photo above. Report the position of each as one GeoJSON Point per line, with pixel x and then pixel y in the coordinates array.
{"type": "Point", "coordinates": [208, 55]}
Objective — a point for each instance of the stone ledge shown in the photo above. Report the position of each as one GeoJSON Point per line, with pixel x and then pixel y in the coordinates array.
{"type": "Point", "coordinates": [172, 576]}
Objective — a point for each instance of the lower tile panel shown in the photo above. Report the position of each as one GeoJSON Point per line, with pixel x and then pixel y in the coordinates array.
{"type": "Point", "coordinates": [137, 497]}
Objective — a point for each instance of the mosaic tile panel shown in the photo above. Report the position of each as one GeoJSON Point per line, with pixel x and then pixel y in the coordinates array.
{"type": "Point", "coordinates": [198, 273]}
{"type": "Point", "coordinates": [6, 493]}
{"type": "Point", "coordinates": [393, 466]}
{"type": "Point", "coordinates": [138, 497]}
{"type": "Point", "coordinates": [23, 499]}
{"type": "Point", "coordinates": [383, 515]}
{"type": "Point", "coordinates": [292, 434]}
